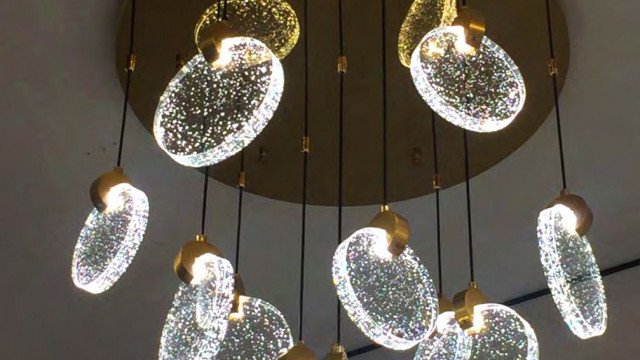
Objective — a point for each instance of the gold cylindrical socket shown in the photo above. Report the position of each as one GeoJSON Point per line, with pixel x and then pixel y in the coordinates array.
{"type": "Point", "coordinates": [209, 33]}
{"type": "Point", "coordinates": [474, 26]}
{"type": "Point", "coordinates": [183, 262]}
{"type": "Point", "coordinates": [397, 229]}
{"type": "Point", "coordinates": [299, 352]}
{"type": "Point", "coordinates": [579, 206]}
{"type": "Point", "coordinates": [337, 352]}
{"type": "Point", "coordinates": [464, 303]}
{"type": "Point", "coordinates": [100, 188]}
{"type": "Point", "coordinates": [444, 304]}
{"type": "Point", "coordinates": [238, 292]}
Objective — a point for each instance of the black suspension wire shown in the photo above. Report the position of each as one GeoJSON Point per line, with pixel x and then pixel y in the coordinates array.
{"type": "Point", "coordinates": [554, 77]}
{"type": "Point", "coordinates": [341, 74]}
{"type": "Point", "coordinates": [436, 187]}
{"type": "Point", "coordinates": [472, 275]}
{"type": "Point", "coordinates": [305, 169]}
{"type": "Point", "coordinates": [241, 186]}
{"type": "Point", "coordinates": [130, 67]}
{"type": "Point", "coordinates": [385, 183]}
{"type": "Point", "coordinates": [205, 194]}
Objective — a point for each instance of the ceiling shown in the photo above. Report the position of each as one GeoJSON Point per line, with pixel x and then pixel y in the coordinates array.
{"type": "Point", "coordinates": [59, 104]}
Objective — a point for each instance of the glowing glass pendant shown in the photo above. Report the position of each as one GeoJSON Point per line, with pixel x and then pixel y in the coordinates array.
{"type": "Point", "coordinates": [422, 17]}
{"type": "Point", "coordinates": [572, 272]}
{"type": "Point", "coordinates": [257, 332]}
{"type": "Point", "coordinates": [390, 298]}
{"type": "Point", "coordinates": [447, 342]}
{"type": "Point", "coordinates": [214, 278]}
{"type": "Point", "coordinates": [209, 112]}
{"type": "Point", "coordinates": [481, 90]}
{"type": "Point", "coordinates": [499, 333]}
{"type": "Point", "coordinates": [109, 240]}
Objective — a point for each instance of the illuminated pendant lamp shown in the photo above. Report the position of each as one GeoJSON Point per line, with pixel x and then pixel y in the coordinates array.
{"type": "Point", "coordinates": [569, 264]}
{"type": "Point", "coordinates": [448, 341]}
{"type": "Point", "coordinates": [114, 229]}
{"type": "Point", "coordinates": [380, 282]}
{"type": "Point", "coordinates": [232, 87]}
{"type": "Point", "coordinates": [466, 77]}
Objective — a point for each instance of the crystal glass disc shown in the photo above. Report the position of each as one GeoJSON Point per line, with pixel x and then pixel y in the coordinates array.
{"type": "Point", "coordinates": [502, 335]}
{"type": "Point", "coordinates": [215, 281]}
{"type": "Point", "coordinates": [209, 112]}
{"type": "Point", "coordinates": [391, 299]}
{"type": "Point", "coordinates": [482, 91]}
{"type": "Point", "coordinates": [109, 240]}
{"type": "Point", "coordinates": [182, 337]}
{"type": "Point", "coordinates": [572, 272]}
{"type": "Point", "coordinates": [447, 342]}
{"type": "Point", "coordinates": [261, 333]}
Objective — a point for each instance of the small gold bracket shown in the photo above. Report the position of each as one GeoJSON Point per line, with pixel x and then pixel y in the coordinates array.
{"type": "Point", "coordinates": [242, 180]}
{"type": "Point", "coordinates": [132, 62]}
{"type": "Point", "coordinates": [396, 227]}
{"type": "Point", "coordinates": [179, 62]}
{"type": "Point", "coordinates": [306, 144]}
{"type": "Point", "coordinates": [436, 182]}
{"type": "Point", "coordinates": [299, 352]}
{"type": "Point", "coordinates": [343, 64]}
{"type": "Point", "coordinates": [238, 292]}
{"type": "Point", "coordinates": [553, 67]}
{"type": "Point", "coordinates": [464, 303]}
{"type": "Point", "coordinates": [338, 352]}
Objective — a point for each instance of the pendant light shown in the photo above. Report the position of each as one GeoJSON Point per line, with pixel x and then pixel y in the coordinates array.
{"type": "Point", "coordinates": [466, 77]}
{"type": "Point", "coordinates": [113, 231]}
{"type": "Point", "coordinates": [234, 85]}
{"type": "Point", "coordinates": [256, 330]}
{"type": "Point", "coordinates": [569, 264]}
{"type": "Point", "coordinates": [398, 316]}
{"type": "Point", "coordinates": [448, 341]}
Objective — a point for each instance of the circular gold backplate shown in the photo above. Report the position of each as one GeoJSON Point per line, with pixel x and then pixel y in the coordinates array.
{"type": "Point", "coordinates": [274, 160]}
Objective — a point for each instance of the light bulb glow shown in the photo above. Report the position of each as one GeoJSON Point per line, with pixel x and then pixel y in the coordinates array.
{"type": "Point", "coordinates": [261, 333]}
{"type": "Point", "coordinates": [214, 278]}
{"type": "Point", "coordinates": [109, 240]}
{"type": "Point", "coordinates": [572, 272]}
{"type": "Point", "coordinates": [481, 90]}
{"type": "Point", "coordinates": [209, 112]}
{"type": "Point", "coordinates": [447, 342]}
{"type": "Point", "coordinates": [502, 335]}
{"type": "Point", "coordinates": [391, 299]}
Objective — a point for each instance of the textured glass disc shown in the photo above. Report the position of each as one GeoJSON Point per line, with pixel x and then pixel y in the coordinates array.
{"type": "Point", "coordinates": [391, 299]}
{"type": "Point", "coordinates": [182, 337]}
{"type": "Point", "coordinates": [482, 92]}
{"type": "Point", "coordinates": [109, 240]}
{"type": "Point", "coordinates": [261, 333]}
{"type": "Point", "coordinates": [503, 335]}
{"type": "Point", "coordinates": [215, 281]}
{"type": "Point", "coordinates": [422, 17]}
{"type": "Point", "coordinates": [208, 112]}
{"type": "Point", "coordinates": [572, 272]}
{"type": "Point", "coordinates": [447, 342]}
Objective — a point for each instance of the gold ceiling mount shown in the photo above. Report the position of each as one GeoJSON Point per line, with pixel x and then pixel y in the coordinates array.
{"type": "Point", "coordinates": [100, 188]}
{"type": "Point", "coordinates": [464, 303]}
{"type": "Point", "coordinates": [474, 25]}
{"type": "Point", "coordinates": [584, 216]}
{"type": "Point", "coordinates": [299, 352]}
{"type": "Point", "coordinates": [190, 252]}
{"type": "Point", "coordinates": [397, 228]}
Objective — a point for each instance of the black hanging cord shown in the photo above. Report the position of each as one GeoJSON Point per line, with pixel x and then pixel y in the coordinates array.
{"type": "Point", "coordinates": [385, 183]}
{"type": "Point", "coordinates": [130, 67]}
{"type": "Point", "coordinates": [436, 187]}
{"type": "Point", "coordinates": [241, 186]}
{"type": "Point", "coordinates": [341, 74]}
{"type": "Point", "coordinates": [205, 193]}
{"type": "Point", "coordinates": [554, 77]}
{"type": "Point", "coordinates": [305, 168]}
{"type": "Point", "coordinates": [472, 275]}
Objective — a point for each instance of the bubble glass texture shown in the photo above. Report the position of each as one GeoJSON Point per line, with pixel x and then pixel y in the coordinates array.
{"type": "Point", "coordinates": [215, 282]}
{"type": "Point", "coordinates": [572, 272]}
{"type": "Point", "coordinates": [208, 112]}
{"type": "Point", "coordinates": [261, 333]}
{"type": "Point", "coordinates": [182, 337]}
{"type": "Point", "coordinates": [503, 335]}
{"type": "Point", "coordinates": [273, 22]}
{"type": "Point", "coordinates": [109, 240]}
{"type": "Point", "coordinates": [391, 299]}
{"type": "Point", "coordinates": [481, 92]}
{"type": "Point", "coordinates": [447, 342]}
{"type": "Point", "coordinates": [422, 17]}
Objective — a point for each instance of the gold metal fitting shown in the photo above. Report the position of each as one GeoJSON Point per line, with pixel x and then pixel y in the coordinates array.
{"type": "Point", "coordinates": [579, 207]}
{"type": "Point", "coordinates": [209, 34]}
{"type": "Point", "coordinates": [238, 293]}
{"type": "Point", "coordinates": [306, 144]}
{"type": "Point", "coordinates": [397, 229]}
{"type": "Point", "coordinates": [242, 179]}
{"type": "Point", "coordinates": [553, 67]}
{"type": "Point", "coordinates": [474, 26]}
{"type": "Point", "coordinates": [100, 187]}
{"type": "Point", "coordinates": [436, 182]}
{"type": "Point", "coordinates": [131, 62]}
{"type": "Point", "coordinates": [183, 262]}
{"type": "Point", "coordinates": [337, 352]}
{"type": "Point", "coordinates": [464, 303]}
{"type": "Point", "coordinates": [299, 352]}
{"type": "Point", "coordinates": [179, 62]}
{"type": "Point", "coordinates": [444, 304]}
{"type": "Point", "coordinates": [343, 64]}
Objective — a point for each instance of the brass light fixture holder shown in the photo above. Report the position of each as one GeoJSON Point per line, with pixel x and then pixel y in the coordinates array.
{"type": "Point", "coordinates": [579, 207]}
{"type": "Point", "coordinates": [444, 304]}
{"type": "Point", "coordinates": [397, 228]}
{"type": "Point", "coordinates": [102, 185]}
{"type": "Point", "coordinates": [183, 263]}
{"type": "Point", "coordinates": [299, 352]}
{"type": "Point", "coordinates": [474, 25]}
{"type": "Point", "coordinates": [338, 352]}
{"type": "Point", "coordinates": [209, 33]}
{"type": "Point", "coordinates": [238, 292]}
{"type": "Point", "coordinates": [464, 303]}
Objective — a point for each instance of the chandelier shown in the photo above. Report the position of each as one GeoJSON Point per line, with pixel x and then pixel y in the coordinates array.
{"type": "Point", "coordinates": [209, 111]}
